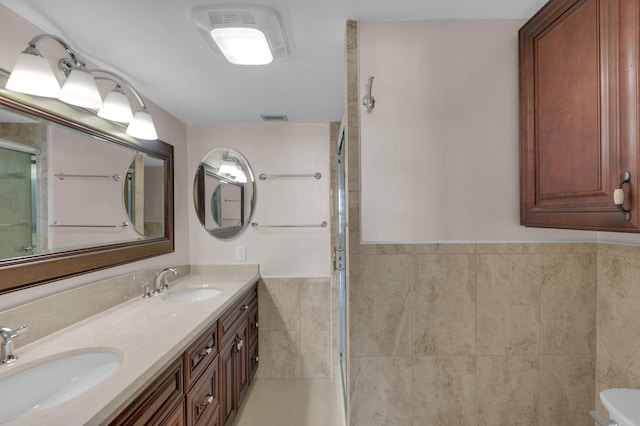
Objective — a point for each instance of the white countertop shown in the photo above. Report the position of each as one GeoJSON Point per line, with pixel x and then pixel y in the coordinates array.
{"type": "Point", "coordinates": [145, 334]}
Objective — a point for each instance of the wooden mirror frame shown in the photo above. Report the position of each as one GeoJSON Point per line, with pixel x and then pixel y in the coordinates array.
{"type": "Point", "coordinates": [28, 271]}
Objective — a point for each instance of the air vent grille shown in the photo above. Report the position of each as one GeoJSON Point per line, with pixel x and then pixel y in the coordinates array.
{"type": "Point", "coordinates": [270, 118]}
{"type": "Point", "coordinates": [229, 18]}
{"type": "Point", "coordinates": [207, 18]}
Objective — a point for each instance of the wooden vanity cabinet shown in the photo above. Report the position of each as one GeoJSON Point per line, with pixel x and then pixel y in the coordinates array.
{"type": "Point", "coordinates": [207, 383]}
{"type": "Point", "coordinates": [235, 364]}
{"type": "Point", "coordinates": [160, 403]}
{"type": "Point", "coordinates": [579, 115]}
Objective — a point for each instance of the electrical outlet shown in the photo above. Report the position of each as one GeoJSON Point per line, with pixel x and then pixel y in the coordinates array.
{"type": "Point", "coordinates": [241, 253]}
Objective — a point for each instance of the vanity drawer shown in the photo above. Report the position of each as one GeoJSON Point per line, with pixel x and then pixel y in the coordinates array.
{"type": "Point", "coordinates": [203, 400]}
{"type": "Point", "coordinates": [241, 307]}
{"type": "Point", "coordinates": [200, 354]}
{"type": "Point", "coordinates": [155, 404]}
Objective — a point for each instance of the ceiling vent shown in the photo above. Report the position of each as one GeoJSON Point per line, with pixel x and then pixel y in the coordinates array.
{"type": "Point", "coordinates": [272, 118]}
{"type": "Point", "coordinates": [210, 17]}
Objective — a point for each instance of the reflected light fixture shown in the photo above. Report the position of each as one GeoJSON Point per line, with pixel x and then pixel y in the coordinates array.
{"type": "Point", "coordinates": [33, 75]}
{"type": "Point", "coordinates": [228, 167]}
{"type": "Point", "coordinates": [244, 34]}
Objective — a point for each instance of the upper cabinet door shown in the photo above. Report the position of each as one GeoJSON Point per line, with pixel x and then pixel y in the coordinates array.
{"type": "Point", "coordinates": [578, 115]}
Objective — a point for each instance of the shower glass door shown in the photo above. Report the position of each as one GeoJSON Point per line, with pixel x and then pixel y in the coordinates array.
{"type": "Point", "coordinates": [341, 259]}
{"type": "Point", "coordinates": [17, 216]}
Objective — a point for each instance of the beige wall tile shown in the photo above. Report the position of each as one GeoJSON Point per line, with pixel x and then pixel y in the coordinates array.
{"type": "Point", "coordinates": [508, 391]}
{"type": "Point", "coordinates": [569, 248]}
{"type": "Point", "coordinates": [315, 352]}
{"type": "Point", "coordinates": [609, 375]}
{"type": "Point", "coordinates": [508, 248]}
{"type": "Point", "coordinates": [380, 391]}
{"type": "Point", "coordinates": [280, 304]}
{"type": "Point", "coordinates": [444, 248]}
{"type": "Point", "coordinates": [444, 310]}
{"type": "Point", "coordinates": [568, 304]}
{"type": "Point", "coordinates": [508, 304]}
{"type": "Point", "coordinates": [619, 250]}
{"type": "Point", "coordinates": [444, 391]}
{"type": "Point", "coordinates": [285, 354]}
{"type": "Point", "coordinates": [619, 311]}
{"type": "Point", "coordinates": [380, 305]}
{"type": "Point", "coordinates": [315, 304]}
{"type": "Point", "coordinates": [568, 386]}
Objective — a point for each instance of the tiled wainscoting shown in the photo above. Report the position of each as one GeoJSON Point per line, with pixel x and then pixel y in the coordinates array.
{"type": "Point", "coordinates": [618, 343]}
{"type": "Point", "coordinates": [295, 328]}
{"type": "Point", "coordinates": [486, 334]}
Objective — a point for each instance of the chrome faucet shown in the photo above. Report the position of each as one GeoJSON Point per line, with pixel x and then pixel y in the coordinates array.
{"type": "Point", "coordinates": [8, 335]}
{"type": "Point", "coordinates": [162, 280]}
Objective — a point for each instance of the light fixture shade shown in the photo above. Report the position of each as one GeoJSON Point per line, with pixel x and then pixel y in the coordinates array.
{"type": "Point", "coordinates": [116, 107]}
{"type": "Point", "coordinates": [142, 126]}
{"type": "Point", "coordinates": [243, 46]}
{"type": "Point", "coordinates": [81, 90]}
{"type": "Point", "coordinates": [33, 75]}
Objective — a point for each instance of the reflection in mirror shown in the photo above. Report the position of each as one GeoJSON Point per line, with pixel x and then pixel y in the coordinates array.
{"type": "Point", "coordinates": [61, 189]}
{"type": "Point", "coordinates": [63, 185]}
{"type": "Point", "coordinates": [224, 193]}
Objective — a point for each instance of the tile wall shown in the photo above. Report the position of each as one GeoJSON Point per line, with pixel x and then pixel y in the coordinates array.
{"type": "Point", "coordinates": [295, 328]}
{"type": "Point", "coordinates": [618, 346]}
{"type": "Point", "coordinates": [472, 334]}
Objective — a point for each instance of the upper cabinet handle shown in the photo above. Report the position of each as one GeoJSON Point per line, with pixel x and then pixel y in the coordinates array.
{"type": "Point", "coordinates": [618, 196]}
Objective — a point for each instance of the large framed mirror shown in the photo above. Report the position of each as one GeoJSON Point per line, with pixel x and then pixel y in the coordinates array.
{"type": "Point", "coordinates": [76, 193]}
{"type": "Point", "coordinates": [224, 193]}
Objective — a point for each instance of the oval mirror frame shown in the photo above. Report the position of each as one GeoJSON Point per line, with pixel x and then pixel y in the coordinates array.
{"type": "Point", "coordinates": [28, 271]}
{"type": "Point", "coordinates": [224, 200]}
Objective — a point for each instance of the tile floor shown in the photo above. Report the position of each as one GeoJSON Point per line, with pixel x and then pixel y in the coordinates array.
{"type": "Point", "coordinates": [289, 402]}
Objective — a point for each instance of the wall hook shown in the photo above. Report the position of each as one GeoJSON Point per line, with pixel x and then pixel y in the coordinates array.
{"type": "Point", "coordinates": [369, 101]}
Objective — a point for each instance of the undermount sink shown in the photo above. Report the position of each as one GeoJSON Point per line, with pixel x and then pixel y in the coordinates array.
{"type": "Point", "coordinates": [623, 405]}
{"type": "Point", "coordinates": [52, 382]}
{"type": "Point", "coordinates": [192, 294]}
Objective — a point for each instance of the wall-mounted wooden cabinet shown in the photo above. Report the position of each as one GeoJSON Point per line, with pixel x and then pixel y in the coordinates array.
{"type": "Point", "coordinates": [206, 384]}
{"type": "Point", "coordinates": [579, 115]}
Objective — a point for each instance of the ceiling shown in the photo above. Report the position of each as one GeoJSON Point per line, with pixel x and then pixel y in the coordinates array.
{"type": "Point", "coordinates": [153, 44]}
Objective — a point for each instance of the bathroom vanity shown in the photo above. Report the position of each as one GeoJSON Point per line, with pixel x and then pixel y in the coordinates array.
{"type": "Point", "coordinates": [181, 362]}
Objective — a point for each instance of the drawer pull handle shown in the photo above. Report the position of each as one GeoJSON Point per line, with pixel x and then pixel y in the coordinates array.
{"type": "Point", "coordinates": [618, 196]}
{"type": "Point", "coordinates": [205, 352]}
{"type": "Point", "coordinates": [239, 343]}
{"type": "Point", "coordinates": [255, 325]}
{"type": "Point", "coordinates": [256, 359]}
{"type": "Point", "coordinates": [244, 307]}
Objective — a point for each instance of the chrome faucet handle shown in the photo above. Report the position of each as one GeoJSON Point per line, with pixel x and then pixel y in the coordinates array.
{"type": "Point", "coordinates": [8, 335]}
{"type": "Point", "coordinates": [147, 293]}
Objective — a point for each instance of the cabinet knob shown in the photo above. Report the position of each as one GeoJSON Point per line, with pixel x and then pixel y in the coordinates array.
{"type": "Point", "coordinates": [244, 307]}
{"type": "Point", "coordinates": [618, 196]}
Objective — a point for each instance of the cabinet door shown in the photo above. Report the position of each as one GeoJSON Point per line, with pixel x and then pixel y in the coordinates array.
{"type": "Point", "coordinates": [578, 130]}
{"type": "Point", "coordinates": [228, 399]}
{"type": "Point", "coordinates": [242, 360]}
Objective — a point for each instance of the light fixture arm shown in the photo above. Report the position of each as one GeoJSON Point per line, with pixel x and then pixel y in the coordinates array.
{"type": "Point", "coordinates": [126, 83]}
{"type": "Point", "coordinates": [37, 39]}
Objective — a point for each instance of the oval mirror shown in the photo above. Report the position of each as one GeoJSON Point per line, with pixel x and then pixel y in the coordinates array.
{"type": "Point", "coordinates": [224, 193]}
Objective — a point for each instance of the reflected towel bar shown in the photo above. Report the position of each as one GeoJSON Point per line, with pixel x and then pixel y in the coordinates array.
{"type": "Point", "coordinates": [62, 176]}
{"type": "Point", "coordinates": [59, 225]}
{"type": "Point", "coordinates": [322, 225]}
{"type": "Point", "coordinates": [316, 175]}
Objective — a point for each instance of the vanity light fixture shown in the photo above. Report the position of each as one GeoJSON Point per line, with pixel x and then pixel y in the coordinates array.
{"type": "Point", "coordinates": [33, 75]}
{"type": "Point", "coordinates": [244, 34]}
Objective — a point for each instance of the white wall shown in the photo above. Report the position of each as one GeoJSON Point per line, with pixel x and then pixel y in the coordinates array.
{"type": "Point", "coordinates": [15, 32]}
{"type": "Point", "coordinates": [279, 149]}
{"type": "Point", "coordinates": [439, 153]}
